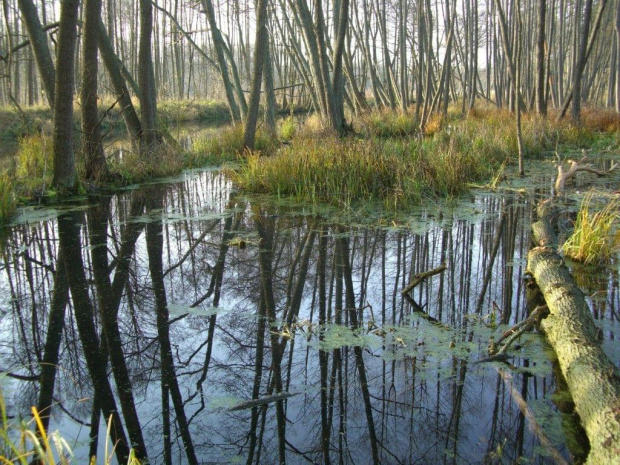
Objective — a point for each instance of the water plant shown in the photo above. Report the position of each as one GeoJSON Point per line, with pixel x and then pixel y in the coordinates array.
{"type": "Point", "coordinates": [20, 444]}
{"type": "Point", "coordinates": [593, 240]}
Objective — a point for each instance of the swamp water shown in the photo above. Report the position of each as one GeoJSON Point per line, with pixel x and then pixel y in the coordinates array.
{"type": "Point", "coordinates": [200, 290]}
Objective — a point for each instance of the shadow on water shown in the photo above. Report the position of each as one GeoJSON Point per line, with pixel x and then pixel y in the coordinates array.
{"type": "Point", "coordinates": [214, 328]}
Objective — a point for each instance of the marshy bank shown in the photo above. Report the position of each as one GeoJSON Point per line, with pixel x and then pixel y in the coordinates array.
{"type": "Point", "coordinates": [385, 158]}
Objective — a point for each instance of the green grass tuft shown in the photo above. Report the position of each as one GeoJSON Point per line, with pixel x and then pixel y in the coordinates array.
{"type": "Point", "coordinates": [288, 129]}
{"type": "Point", "coordinates": [35, 169]}
{"type": "Point", "coordinates": [227, 146]}
{"type": "Point", "coordinates": [387, 123]}
{"type": "Point", "coordinates": [341, 171]}
{"type": "Point", "coordinates": [7, 198]}
{"type": "Point", "coordinates": [594, 241]}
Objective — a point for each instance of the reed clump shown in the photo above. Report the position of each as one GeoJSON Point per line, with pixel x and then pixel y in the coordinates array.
{"type": "Point", "coordinates": [227, 145]}
{"type": "Point", "coordinates": [387, 123]}
{"type": "Point", "coordinates": [34, 167]}
{"type": "Point", "coordinates": [594, 240]}
{"type": "Point", "coordinates": [399, 172]}
{"type": "Point", "coordinates": [7, 197]}
{"type": "Point", "coordinates": [183, 111]}
{"type": "Point", "coordinates": [288, 128]}
{"type": "Point", "coordinates": [163, 160]}
{"type": "Point", "coordinates": [330, 170]}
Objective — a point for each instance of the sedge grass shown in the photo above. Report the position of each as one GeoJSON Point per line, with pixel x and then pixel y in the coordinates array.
{"type": "Point", "coordinates": [593, 241]}
{"type": "Point", "coordinates": [34, 164]}
{"type": "Point", "coordinates": [342, 171]}
{"type": "Point", "coordinates": [288, 128]}
{"type": "Point", "coordinates": [7, 197]}
{"type": "Point", "coordinates": [386, 123]}
{"type": "Point", "coordinates": [227, 145]}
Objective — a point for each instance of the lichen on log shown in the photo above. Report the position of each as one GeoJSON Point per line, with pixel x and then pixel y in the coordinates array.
{"type": "Point", "coordinates": [592, 378]}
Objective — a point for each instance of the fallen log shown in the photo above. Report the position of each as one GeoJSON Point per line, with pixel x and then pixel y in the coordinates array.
{"type": "Point", "coordinates": [593, 380]}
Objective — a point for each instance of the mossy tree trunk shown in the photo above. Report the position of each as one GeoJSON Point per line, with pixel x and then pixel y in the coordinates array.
{"type": "Point", "coordinates": [592, 378]}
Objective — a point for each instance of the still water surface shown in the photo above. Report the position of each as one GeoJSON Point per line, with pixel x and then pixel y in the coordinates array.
{"type": "Point", "coordinates": [208, 299]}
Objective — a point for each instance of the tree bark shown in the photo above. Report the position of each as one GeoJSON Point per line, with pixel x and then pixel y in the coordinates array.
{"type": "Point", "coordinates": [146, 79]}
{"type": "Point", "coordinates": [114, 67]}
{"type": "Point", "coordinates": [618, 58]}
{"type": "Point", "coordinates": [38, 42]}
{"type": "Point", "coordinates": [65, 178]}
{"type": "Point", "coordinates": [261, 44]}
{"type": "Point", "coordinates": [96, 167]}
{"type": "Point", "coordinates": [541, 101]}
{"type": "Point", "coordinates": [218, 44]}
{"type": "Point", "coordinates": [592, 378]}
{"type": "Point", "coordinates": [581, 62]}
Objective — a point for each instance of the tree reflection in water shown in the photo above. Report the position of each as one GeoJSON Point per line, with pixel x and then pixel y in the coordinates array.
{"type": "Point", "coordinates": [167, 306]}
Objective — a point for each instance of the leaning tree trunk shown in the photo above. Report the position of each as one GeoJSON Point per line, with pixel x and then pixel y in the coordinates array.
{"type": "Point", "coordinates": [113, 65]}
{"type": "Point", "coordinates": [40, 48]}
{"type": "Point", "coordinates": [592, 378]}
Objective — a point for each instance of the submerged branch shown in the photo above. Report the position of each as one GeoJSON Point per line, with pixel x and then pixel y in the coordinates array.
{"type": "Point", "coordinates": [532, 423]}
{"type": "Point", "coordinates": [262, 401]}
{"type": "Point", "coordinates": [418, 278]}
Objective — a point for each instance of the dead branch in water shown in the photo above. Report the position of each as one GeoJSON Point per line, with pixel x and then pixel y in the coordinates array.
{"type": "Point", "coordinates": [574, 168]}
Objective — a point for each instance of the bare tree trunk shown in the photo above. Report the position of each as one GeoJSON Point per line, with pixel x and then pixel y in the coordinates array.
{"type": "Point", "coordinates": [618, 58]}
{"type": "Point", "coordinates": [65, 177]}
{"type": "Point", "coordinates": [541, 102]}
{"type": "Point", "coordinates": [261, 44]}
{"type": "Point", "coordinates": [218, 44]}
{"type": "Point", "coordinates": [581, 61]}
{"type": "Point", "coordinates": [96, 167]}
{"type": "Point", "coordinates": [114, 67]}
{"type": "Point", "coordinates": [590, 46]}
{"type": "Point", "coordinates": [338, 78]}
{"type": "Point", "coordinates": [270, 98]}
{"type": "Point", "coordinates": [38, 42]}
{"type": "Point", "coordinates": [146, 79]}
